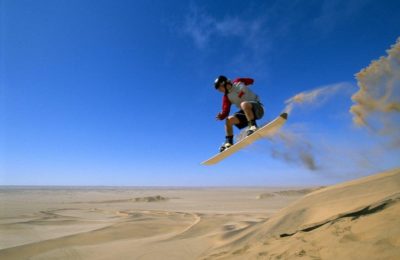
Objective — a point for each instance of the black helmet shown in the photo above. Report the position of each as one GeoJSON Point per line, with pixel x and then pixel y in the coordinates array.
{"type": "Point", "coordinates": [220, 80]}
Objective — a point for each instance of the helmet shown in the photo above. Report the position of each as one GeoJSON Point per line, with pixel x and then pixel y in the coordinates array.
{"type": "Point", "coordinates": [220, 80]}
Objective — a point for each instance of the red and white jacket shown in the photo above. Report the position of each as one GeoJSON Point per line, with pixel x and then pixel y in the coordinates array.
{"type": "Point", "coordinates": [236, 95]}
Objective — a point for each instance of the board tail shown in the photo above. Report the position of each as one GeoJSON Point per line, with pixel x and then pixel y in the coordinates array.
{"type": "Point", "coordinates": [284, 115]}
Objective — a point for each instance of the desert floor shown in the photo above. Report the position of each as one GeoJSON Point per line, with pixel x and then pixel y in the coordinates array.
{"type": "Point", "coordinates": [359, 219]}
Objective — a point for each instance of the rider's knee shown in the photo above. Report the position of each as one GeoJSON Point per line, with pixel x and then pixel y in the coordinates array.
{"type": "Point", "coordinates": [245, 105]}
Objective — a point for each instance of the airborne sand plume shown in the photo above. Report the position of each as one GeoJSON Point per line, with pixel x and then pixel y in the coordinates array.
{"type": "Point", "coordinates": [314, 96]}
{"type": "Point", "coordinates": [376, 107]}
{"type": "Point", "coordinates": [294, 147]}
{"type": "Point", "coordinates": [377, 102]}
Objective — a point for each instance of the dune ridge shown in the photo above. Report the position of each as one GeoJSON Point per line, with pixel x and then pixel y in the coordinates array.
{"type": "Point", "coordinates": [330, 222]}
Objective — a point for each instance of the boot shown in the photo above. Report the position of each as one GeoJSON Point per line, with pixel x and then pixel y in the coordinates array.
{"type": "Point", "coordinates": [252, 127]}
{"type": "Point", "coordinates": [228, 143]}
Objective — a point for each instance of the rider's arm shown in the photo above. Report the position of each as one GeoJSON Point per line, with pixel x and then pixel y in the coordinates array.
{"type": "Point", "coordinates": [226, 107]}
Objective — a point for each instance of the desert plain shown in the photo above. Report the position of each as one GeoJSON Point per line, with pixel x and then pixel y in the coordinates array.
{"type": "Point", "coordinates": [359, 219]}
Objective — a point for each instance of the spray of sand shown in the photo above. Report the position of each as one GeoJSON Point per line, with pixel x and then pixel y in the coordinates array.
{"type": "Point", "coordinates": [376, 107]}
{"type": "Point", "coordinates": [293, 147]}
{"type": "Point", "coordinates": [318, 95]}
{"type": "Point", "coordinates": [377, 102]}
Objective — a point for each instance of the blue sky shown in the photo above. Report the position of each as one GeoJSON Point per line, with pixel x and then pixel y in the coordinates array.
{"type": "Point", "coordinates": [120, 92]}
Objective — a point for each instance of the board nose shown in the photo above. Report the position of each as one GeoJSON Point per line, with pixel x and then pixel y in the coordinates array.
{"type": "Point", "coordinates": [284, 115]}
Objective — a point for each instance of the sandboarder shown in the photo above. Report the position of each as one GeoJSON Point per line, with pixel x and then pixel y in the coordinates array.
{"type": "Point", "coordinates": [237, 92]}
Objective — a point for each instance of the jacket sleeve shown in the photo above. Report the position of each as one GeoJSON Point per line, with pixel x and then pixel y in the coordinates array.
{"type": "Point", "coordinates": [226, 107]}
{"type": "Point", "coordinates": [246, 81]}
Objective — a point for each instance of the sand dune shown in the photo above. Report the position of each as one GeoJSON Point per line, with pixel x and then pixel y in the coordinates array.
{"type": "Point", "coordinates": [353, 220]}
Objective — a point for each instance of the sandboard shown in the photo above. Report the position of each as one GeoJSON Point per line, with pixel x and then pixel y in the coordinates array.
{"type": "Point", "coordinates": [268, 130]}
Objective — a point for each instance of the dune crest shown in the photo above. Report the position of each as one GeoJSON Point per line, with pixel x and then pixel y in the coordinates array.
{"type": "Point", "coordinates": [330, 223]}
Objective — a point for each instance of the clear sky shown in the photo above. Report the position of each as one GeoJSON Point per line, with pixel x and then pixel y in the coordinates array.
{"type": "Point", "coordinates": [114, 92]}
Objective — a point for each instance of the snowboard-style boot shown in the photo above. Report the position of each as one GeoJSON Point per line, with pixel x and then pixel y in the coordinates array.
{"type": "Point", "coordinates": [252, 127]}
{"type": "Point", "coordinates": [228, 143]}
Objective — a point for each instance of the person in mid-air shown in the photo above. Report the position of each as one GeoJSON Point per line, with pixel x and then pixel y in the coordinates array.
{"type": "Point", "coordinates": [237, 92]}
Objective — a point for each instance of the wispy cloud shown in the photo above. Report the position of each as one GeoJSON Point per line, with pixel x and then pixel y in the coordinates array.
{"type": "Point", "coordinates": [203, 28]}
{"type": "Point", "coordinates": [257, 32]}
{"type": "Point", "coordinates": [268, 22]}
{"type": "Point", "coordinates": [199, 26]}
{"type": "Point", "coordinates": [246, 35]}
